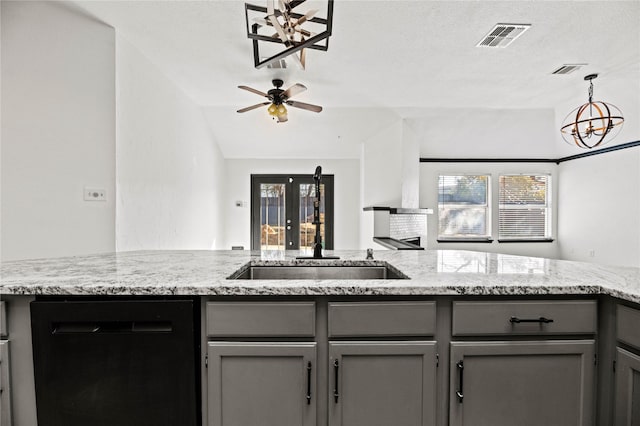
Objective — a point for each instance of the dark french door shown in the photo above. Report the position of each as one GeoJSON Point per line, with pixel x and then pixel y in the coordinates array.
{"type": "Point", "coordinates": [282, 212]}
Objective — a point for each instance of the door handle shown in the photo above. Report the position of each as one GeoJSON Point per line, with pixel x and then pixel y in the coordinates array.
{"type": "Point", "coordinates": [541, 320]}
{"type": "Point", "coordinates": [308, 396]}
{"type": "Point", "coordinates": [459, 392]}
{"type": "Point", "coordinates": [336, 366]}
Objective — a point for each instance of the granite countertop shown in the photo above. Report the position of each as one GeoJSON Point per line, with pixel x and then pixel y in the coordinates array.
{"type": "Point", "coordinates": [431, 272]}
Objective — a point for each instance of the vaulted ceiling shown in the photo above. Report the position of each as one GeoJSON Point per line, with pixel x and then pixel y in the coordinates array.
{"type": "Point", "coordinates": [390, 60]}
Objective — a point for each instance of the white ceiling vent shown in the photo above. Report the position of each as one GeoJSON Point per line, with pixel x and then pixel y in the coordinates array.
{"type": "Point", "coordinates": [502, 35]}
{"type": "Point", "coordinates": [279, 64]}
{"type": "Point", "coordinates": [568, 68]}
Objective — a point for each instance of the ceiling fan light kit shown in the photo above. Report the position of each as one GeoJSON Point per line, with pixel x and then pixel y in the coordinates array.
{"type": "Point", "coordinates": [588, 125]}
{"type": "Point", "coordinates": [284, 26]}
{"type": "Point", "coordinates": [278, 98]}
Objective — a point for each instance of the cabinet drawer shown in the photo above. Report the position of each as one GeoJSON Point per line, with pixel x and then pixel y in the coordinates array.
{"type": "Point", "coordinates": [527, 317]}
{"type": "Point", "coordinates": [257, 319]}
{"type": "Point", "coordinates": [382, 319]}
{"type": "Point", "coordinates": [3, 319]}
{"type": "Point", "coordinates": [628, 325]}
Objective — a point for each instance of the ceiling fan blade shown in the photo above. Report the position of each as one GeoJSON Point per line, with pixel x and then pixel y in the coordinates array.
{"type": "Point", "coordinates": [306, 17]}
{"type": "Point", "coordinates": [308, 107]}
{"type": "Point", "coordinates": [253, 107]}
{"type": "Point", "coordinates": [294, 90]}
{"type": "Point", "coordinates": [252, 90]}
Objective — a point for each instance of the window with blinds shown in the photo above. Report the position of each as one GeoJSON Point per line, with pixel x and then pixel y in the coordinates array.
{"type": "Point", "coordinates": [463, 207]}
{"type": "Point", "coordinates": [524, 207]}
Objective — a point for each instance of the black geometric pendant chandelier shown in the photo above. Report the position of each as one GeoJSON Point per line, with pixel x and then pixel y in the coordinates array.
{"type": "Point", "coordinates": [588, 125]}
{"type": "Point", "coordinates": [282, 29]}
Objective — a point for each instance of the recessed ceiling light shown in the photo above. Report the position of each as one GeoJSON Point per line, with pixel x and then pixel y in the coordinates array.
{"type": "Point", "coordinates": [568, 68]}
{"type": "Point", "coordinates": [503, 35]}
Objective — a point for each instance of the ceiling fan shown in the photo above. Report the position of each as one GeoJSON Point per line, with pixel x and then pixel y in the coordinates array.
{"type": "Point", "coordinates": [278, 98]}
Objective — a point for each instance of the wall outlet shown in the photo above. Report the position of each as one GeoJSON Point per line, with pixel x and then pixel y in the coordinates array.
{"type": "Point", "coordinates": [592, 253]}
{"type": "Point", "coordinates": [95, 194]}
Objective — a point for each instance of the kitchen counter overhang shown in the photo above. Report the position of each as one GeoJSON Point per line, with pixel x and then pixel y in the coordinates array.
{"type": "Point", "coordinates": [430, 272]}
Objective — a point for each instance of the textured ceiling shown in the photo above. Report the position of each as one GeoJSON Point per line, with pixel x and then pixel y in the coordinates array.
{"type": "Point", "coordinates": [388, 60]}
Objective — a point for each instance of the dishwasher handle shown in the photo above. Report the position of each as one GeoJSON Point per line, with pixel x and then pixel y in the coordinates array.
{"type": "Point", "coordinates": [94, 327]}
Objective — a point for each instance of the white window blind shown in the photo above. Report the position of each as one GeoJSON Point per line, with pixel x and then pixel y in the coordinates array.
{"type": "Point", "coordinates": [463, 207]}
{"type": "Point", "coordinates": [524, 207]}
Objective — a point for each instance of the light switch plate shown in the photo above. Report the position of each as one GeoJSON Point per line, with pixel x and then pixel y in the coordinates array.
{"type": "Point", "coordinates": [95, 194]}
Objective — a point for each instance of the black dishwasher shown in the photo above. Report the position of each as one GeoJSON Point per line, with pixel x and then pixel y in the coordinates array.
{"type": "Point", "coordinates": [116, 362]}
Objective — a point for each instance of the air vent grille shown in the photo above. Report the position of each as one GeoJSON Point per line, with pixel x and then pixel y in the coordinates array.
{"type": "Point", "coordinates": [279, 64]}
{"type": "Point", "coordinates": [503, 35]}
{"type": "Point", "coordinates": [568, 68]}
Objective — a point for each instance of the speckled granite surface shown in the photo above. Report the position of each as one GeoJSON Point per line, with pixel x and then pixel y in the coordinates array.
{"type": "Point", "coordinates": [431, 272]}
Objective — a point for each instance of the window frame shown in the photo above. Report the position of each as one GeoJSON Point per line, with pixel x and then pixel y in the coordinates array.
{"type": "Point", "coordinates": [548, 208]}
{"type": "Point", "coordinates": [488, 237]}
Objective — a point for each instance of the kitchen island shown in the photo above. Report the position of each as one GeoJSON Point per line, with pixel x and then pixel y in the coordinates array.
{"type": "Point", "coordinates": [465, 337]}
{"type": "Point", "coordinates": [430, 272]}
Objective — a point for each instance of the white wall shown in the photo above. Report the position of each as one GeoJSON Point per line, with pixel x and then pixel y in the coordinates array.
{"type": "Point", "coordinates": [170, 172]}
{"type": "Point", "coordinates": [58, 131]}
{"type": "Point", "coordinates": [410, 165]}
{"type": "Point", "coordinates": [599, 208]}
{"type": "Point", "coordinates": [0, 133]}
{"type": "Point", "coordinates": [429, 173]}
{"type": "Point", "coordinates": [486, 133]}
{"type": "Point", "coordinates": [382, 165]}
{"type": "Point", "coordinates": [381, 177]}
{"type": "Point", "coordinates": [346, 201]}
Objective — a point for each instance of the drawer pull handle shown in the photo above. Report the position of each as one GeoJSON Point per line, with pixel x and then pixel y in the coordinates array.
{"type": "Point", "coordinates": [541, 320]}
{"type": "Point", "coordinates": [336, 366]}
{"type": "Point", "coordinates": [308, 384]}
{"type": "Point", "coordinates": [459, 392]}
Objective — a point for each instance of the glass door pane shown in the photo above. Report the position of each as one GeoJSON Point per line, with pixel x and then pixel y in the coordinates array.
{"type": "Point", "coordinates": [282, 212]}
{"type": "Point", "coordinates": [307, 227]}
{"type": "Point", "coordinates": [272, 216]}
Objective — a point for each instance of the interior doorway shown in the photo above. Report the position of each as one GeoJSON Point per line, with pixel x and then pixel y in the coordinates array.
{"type": "Point", "coordinates": [282, 212]}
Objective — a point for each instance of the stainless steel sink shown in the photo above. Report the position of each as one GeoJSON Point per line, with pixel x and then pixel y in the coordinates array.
{"type": "Point", "coordinates": [319, 272]}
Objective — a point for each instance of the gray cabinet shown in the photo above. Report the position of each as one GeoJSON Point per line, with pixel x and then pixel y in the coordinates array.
{"type": "Point", "coordinates": [627, 376]}
{"type": "Point", "coordinates": [524, 383]}
{"type": "Point", "coordinates": [627, 409]}
{"type": "Point", "coordinates": [382, 383]}
{"type": "Point", "coordinates": [5, 385]}
{"type": "Point", "coordinates": [262, 384]}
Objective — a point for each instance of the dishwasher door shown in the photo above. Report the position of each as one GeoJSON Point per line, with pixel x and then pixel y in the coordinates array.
{"type": "Point", "coordinates": [116, 363]}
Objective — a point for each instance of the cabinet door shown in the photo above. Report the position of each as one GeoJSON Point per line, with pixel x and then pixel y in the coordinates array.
{"type": "Point", "coordinates": [627, 389]}
{"type": "Point", "coordinates": [262, 384]}
{"type": "Point", "coordinates": [5, 388]}
{"type": "Point", "coordinates": [548, 383]}
{"type": "Point", "coordinates": [382, 383]}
